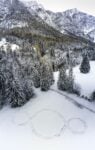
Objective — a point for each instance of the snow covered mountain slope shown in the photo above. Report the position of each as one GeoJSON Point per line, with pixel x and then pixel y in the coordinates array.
{"type": "Point", "coordinates": [76, 22]}
{"type": "Point", "coordinates": [29, 20]}
{"type": "Point", "coordinates": [71, 21]}
{"type": "Point", "coordinates": [15, 15]}
{"type": "Point", "coordinates": [12, 14]}
{"type": "Point", "coordinates": [38, 9]}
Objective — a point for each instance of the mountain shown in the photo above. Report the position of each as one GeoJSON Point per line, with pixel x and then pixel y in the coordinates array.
{"type": "Point", "coordinates": [10, 14]}
{"type": "Point", "coordinates": [38, 9]}
{"type": "Point", "coordinates": [76, 22]}
{"type": "Point", "coordinates": [30, 21]}
{"type": "Point", "coordinates": [71, 21]}
{"type": "Point", "coordinates": [14, 15]}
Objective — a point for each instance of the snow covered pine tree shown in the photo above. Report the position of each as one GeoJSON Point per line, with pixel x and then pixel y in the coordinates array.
{"type": "Point", "coordinates": [3, 63]}
{"type": "Point", "coordinates": [85, 65]}
{"type": "Point", "coordinates": [66, 80]}
{"type": "Point", "coordinates": [46, 77]}
{"type": "Point", "coordinates": [15, 88]}
{"type": "Point", "coordinates": [62, 81]}
{"type": "Point", "coordinates": [21, 85]}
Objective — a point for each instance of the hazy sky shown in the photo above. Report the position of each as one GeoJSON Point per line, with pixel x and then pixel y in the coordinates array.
{"type": "Point", "coordinates": [87, 6]}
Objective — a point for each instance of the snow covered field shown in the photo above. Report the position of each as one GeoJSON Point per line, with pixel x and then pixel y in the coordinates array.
{"type": "Point", "coordinates": [50, 121]}
{"type": "Point", "coordinates": [86, 81]}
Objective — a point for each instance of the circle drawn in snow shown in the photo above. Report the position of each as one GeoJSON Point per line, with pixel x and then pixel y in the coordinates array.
{"type": "Point", "coordinates": [77, 125]}
{"type": "Point", "coordinates": [48, 123]}
{"type": "Point", "coordinates": [21, 118]}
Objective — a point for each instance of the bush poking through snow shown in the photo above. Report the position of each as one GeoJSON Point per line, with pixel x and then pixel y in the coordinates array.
{"type": "Point", "coordinates": [85, 65]}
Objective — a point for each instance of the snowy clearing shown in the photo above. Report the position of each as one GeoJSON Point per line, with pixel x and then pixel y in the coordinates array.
{"type": "Point", "coordinates": [49, 121]}
{"type": "Point", "coordinates": [86, 81]}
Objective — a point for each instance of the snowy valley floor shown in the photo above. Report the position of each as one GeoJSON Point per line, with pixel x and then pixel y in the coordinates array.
{"type": "Point", "coordinates": [53, 120]}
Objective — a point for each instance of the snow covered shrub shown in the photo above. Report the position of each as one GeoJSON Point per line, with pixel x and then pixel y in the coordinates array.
{"type": "Point", "coordinates": [15, 95]}
{"type": "Point", "coordinates": [16, 76]}
{"type": "Point", "coordinates": [36, 79]}
{"type": "Point", "coordinates": [66, 81]}
{"type": "Point", "coordinates": [28, 89]}
{"type": "Point", "coordinates": [24, 75]}
{"type": "Point", "coordinates": [46, 75]}
{"type": "Point", "coordinates": [85, 66]}
{"type": "Point", "coordinates": [18, 90]}
{"type": "Point", "coordinates": [31, 67]}
{"type": "Point", "coordinates": [3, 71]}
{"type": "Point", "coordinates": [15, 86]}
{"type": "Point", "coordinates": [32, 72]}
{"type": "Point", "coordinates": [60, 59]}
{"type": "Point", "coordinates": [70, 82]}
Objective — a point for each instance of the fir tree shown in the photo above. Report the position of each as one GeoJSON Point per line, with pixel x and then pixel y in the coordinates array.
{"type": "Point", "coordinates": [36, 74]}
{"type": "Point", "coordinates": [3, 79]}
{"type": "Point", "coordinates": [14, 94]}
{"type": "Point", "coordinates": [44, 83]}
{"type": "Point", "coordinates": [15, 86]}
{"type": "Point", "coordinates": [28, 90]}
{"type": "Point", "coordinates": [70, 80]}
{"type": "Point", "coordinates": [25, 80]}
{"type": "Point", "coordinates": [85, 65]}
{"type": "Point", "coordinates": [19, 88]}
{"type": "Point", "coordinates": [63, 80]}
{"type": "Point", "coordinates": [2, 89]}
{"type": "Point", "coordinates": [66, 81]}
{"type": "Point", "coordinates": [70, 87]}
{"type": "Point", "coordinates": [46, 75]}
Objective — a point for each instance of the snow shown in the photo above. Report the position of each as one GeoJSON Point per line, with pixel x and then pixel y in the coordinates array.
{"type": "Point", "coordinates": [86, 81]}
{"type": "Point", "coordinates": [48, 118]}
{"type": "Point", "coordinates": [14, 47]}
{"type": "Point", "coordinates": [4, 43]}
{"type": "Point", "coordinates": [48, 122]}
{"type": "Point", "coordinates": [33, 5]}
{"type": "Point", "coordinates": [77, 125]}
